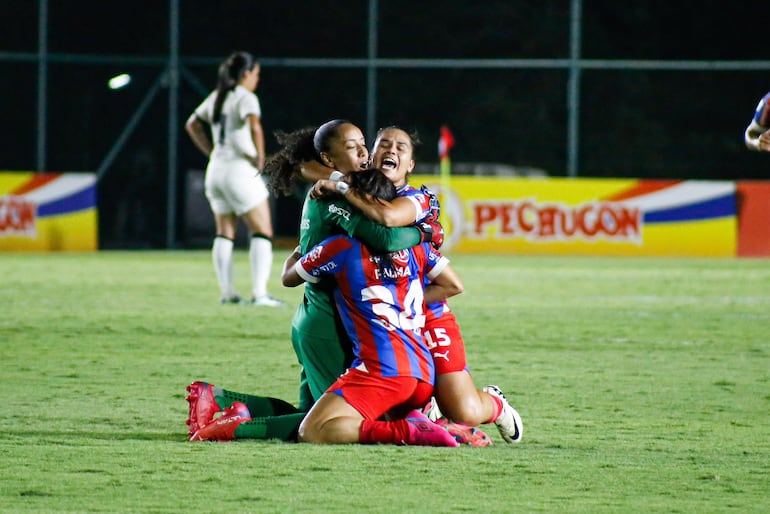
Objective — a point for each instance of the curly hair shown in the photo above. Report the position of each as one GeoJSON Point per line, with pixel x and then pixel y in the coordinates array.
{"type": "Point", "coordinates": [282, 168]}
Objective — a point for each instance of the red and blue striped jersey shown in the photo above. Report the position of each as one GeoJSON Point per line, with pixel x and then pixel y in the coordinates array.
{"type": "Point", "coordinates": [381, 304]}
{"type": "Point", "coordinates": [424, 208]}
{"type": "Point", "coordinates": [762, 112]}
{"type": "Point", "coordinates": [420, 200]}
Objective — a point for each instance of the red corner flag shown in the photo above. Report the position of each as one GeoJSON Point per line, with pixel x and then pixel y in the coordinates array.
{"type": "Point", "coordinates": [445, 142]}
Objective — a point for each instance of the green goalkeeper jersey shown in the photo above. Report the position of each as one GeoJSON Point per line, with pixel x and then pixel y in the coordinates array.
{"type": "Point", "coordinates": [319, 340]}
{"type": "Point", "coordinates": [324, 218]}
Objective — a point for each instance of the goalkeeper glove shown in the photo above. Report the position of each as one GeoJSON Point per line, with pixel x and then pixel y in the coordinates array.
{"type": "Point", "coordinates": [435, 207]}
{"type": "Point", "coordinates": [431, 232]}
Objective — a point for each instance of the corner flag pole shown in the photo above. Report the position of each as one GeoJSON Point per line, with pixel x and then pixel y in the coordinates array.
{"type": "Point", "coordinates": [445, 143]}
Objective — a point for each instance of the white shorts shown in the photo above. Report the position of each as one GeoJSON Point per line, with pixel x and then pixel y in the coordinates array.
{"type": "Point", "coordinates": [233, 186]}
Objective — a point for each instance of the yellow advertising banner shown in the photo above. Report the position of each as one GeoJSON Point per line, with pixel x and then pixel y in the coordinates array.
{"type": "Point", "coordinates": [536, 216]}
{"type": "Point", "coordinates": [48, 211]}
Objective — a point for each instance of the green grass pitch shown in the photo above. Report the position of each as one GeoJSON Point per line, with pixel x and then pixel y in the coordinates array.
{"type": "Point", "coordinates": [644, 385]}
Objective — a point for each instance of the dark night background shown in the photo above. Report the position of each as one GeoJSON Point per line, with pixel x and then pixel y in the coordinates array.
{"type": "Point", "coordinates": [676, 123]}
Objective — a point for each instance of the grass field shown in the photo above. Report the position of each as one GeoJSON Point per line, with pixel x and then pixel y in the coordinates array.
{"type": "Point", "coordinates": [643, 385]}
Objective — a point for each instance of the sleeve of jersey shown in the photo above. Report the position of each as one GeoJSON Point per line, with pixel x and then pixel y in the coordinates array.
{"type": "Point", "coordinates": [762, 112]}
{"type": "Point", "coordinates": [203, 111]}
{"type": "Point", "coordinates": [249, 104]}
{"type": "Point", "coordinates": [435, 262]}
{"type": "Point", "coordinates": [374, 235]}
{"type": "Point", "coordinates": [325, 258]}
{"type": "Point", "coordinates": [421, 204]}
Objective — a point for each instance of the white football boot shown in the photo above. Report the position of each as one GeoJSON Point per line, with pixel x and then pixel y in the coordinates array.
{"type": "Point", "coordinates": [432, 411]}
{"type": "Point", "coordinates": [509, 422]}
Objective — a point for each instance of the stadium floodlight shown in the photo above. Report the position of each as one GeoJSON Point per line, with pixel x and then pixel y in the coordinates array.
{"type": "Point", "coordinates": [119, 81]}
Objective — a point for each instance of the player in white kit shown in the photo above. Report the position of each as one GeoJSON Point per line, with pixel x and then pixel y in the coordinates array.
{"type": "Point", "coordinates": [235, 146]}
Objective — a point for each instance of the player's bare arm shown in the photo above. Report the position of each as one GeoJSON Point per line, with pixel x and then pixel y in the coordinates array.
{"type": "Point", "coordinates": [289, 275]}
{"type": "Point", "coordinates": [445, 285]}
{"type": "Point", "coordinates": [258, 135]}
{"type": "Point", "coordinates": [199, 134]}
{"type": "Point", "coordinates": [398, 213]}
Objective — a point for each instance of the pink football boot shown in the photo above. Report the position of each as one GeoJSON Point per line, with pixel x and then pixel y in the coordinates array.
{"type": "Point", "coordinates": [223, 428]}
{"type": "Point", "coordinates": [423, 432]}
{"type": "Point", "coordinates": [203, 406]}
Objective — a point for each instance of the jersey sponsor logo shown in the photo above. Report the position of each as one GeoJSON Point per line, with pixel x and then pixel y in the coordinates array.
{"type": "Point", "coordinates": [328, 267]}
{"type": "Point", "coordinates": [339, 211]}
{"type": "Point", "coordinates": [304, 224]}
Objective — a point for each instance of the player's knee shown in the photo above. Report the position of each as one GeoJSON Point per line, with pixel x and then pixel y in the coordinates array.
{"type": "Point", "coordinates": [305, 433]}
{"type": "Point", "coordinates": [262, 235]}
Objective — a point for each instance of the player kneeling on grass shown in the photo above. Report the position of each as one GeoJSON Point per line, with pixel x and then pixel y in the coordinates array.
{"type": "Point", "coordinates": [380, 299]}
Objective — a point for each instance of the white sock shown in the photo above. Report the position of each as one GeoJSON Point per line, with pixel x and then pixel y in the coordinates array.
{"type": "Point", "coordinates": [261, 259]}
{"type": "Point", "coordinates": [222, 255]}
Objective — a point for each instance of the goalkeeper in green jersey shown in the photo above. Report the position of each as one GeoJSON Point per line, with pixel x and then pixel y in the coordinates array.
{"type": "Point", "coordinates": [319, 341]}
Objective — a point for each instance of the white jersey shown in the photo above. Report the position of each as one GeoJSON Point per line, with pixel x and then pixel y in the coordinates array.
{"type": "Point", "coordinates": [232, 134]}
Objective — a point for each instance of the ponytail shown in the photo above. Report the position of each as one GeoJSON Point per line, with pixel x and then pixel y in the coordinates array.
{"type": "Point", "coordinates": [230, 73]}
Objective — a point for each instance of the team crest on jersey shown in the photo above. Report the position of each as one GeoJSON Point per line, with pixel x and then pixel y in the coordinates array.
{"type": "Point", "coordinates": [400, 257]}
{"type": "Point", "coordinates": [315, 253]}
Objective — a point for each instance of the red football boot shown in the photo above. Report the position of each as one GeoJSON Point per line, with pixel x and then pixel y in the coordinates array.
{"type": "Point", "coordinates": [223, 428]}
{"type": "Point", "coordinates": [203, 406]}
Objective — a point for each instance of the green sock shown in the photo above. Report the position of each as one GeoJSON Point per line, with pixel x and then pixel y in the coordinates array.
{"type": "Point", "coordinates": [259, 406]}
{"type": "Point", "coordinates": [283, 427]}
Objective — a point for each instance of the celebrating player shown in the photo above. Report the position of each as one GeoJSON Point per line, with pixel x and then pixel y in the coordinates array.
{"type": "Point", "coordinates": [456, 395]}
{"type": "Point", "coordinates": [321, 346]}
{"type": "Point", "coordinates": [381, 301]}
{"type": "Point", "coordinates": [382, 298]}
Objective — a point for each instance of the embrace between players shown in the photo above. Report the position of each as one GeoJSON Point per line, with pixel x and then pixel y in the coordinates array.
{"type": "Point", "coordinates": [382, 356]}
{"type": "Point", "coordinates": [375, 308]}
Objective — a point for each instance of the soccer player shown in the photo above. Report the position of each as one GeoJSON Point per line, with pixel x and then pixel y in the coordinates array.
{"type": "Point", "coordinates": [235, 147]}
{"type": "Point", "coordinates": [380, 297]}
{"type": "Point", "coordinates": [456, 394]}
{"type": "Point", "coordinates": [321, 345]}
{"type": "Point", "coordinates": [757, 135]}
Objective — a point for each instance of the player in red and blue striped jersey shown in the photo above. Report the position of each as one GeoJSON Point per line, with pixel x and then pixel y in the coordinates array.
{"type": "Point", "coordinates": [757, 135]}
{"type": "Point", "coordinates": [457, 396]}
{"type": "Point", "coordinates": [381, 298]}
